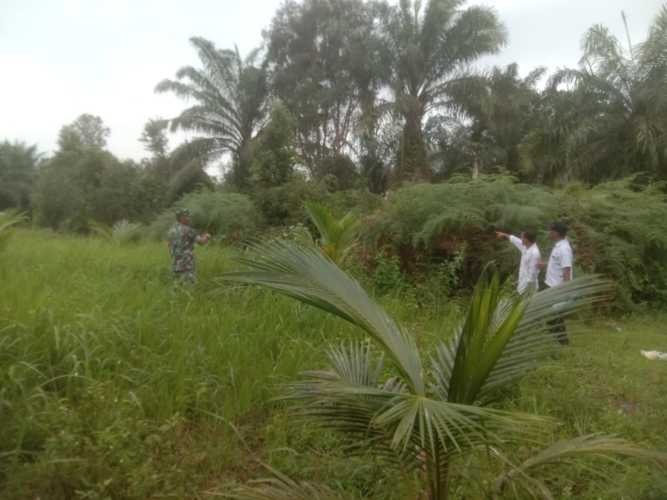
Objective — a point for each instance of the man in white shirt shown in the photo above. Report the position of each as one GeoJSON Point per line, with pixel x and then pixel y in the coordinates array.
{"type": "Point", "coordinates": [559, 270]}
{"type": "Point", "coordinates": [561, 260]}
{"type": "Point", "coordinates": [529, 269]}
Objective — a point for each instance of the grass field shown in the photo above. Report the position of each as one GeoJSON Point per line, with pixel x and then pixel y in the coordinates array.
{"type": "Point", "coordinates": [115, 383]}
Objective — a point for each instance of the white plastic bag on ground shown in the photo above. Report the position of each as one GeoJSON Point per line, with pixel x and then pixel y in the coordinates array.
{"type": "Point", "coordinates": [654, 355]}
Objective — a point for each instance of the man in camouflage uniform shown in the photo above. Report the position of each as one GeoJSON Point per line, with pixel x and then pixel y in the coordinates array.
{"type": "Point", "coordinates": [181, 240]}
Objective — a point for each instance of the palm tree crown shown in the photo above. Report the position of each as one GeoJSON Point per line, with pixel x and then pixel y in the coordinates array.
{"type": "Point", "coordinates": [433, 46]}
{"type": "Point", "coordinates": [230, 95]}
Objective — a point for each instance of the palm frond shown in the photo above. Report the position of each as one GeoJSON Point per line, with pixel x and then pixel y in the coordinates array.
{"type": "Point", "coordinates": [99, 228]}
{"type": "Point", "coordinates": [490, 323]}
{"type": "Point", "coordinates": [281, 487]}
{"type": "Point", "coordinates": [305, 274]}
{"type": "Point", "coordinates": [394, 423]}
{"type": "Point", "coordinates": [570, 452]}
{"type": "Point", "coordinates": [336, 235]}
{"type": "Point", "coordinates": [230, 106]}
{"type": "Point", "coordinates": [503, 338]}
{"type": "Point", "coordinates": [125, 231]}
{"type": "Point", "coordinates": [532, 341]}
{"type": "Point", "coordinates": [10, 218]}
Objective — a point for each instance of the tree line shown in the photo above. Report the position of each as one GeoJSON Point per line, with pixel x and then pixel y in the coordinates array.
{"type": "Point", "coordinates": [352, 94]}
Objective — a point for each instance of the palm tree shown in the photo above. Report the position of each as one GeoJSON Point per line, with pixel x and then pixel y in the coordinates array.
{"type": "Point", "coordinates": [627, 130]}
{"type": "Point", "coordinates": [432, 47]}
{"type": "Point", "coordinates": [426, 410]}
{"type": "Point", "coordinates": [337, 236]}
{"type": "Point", "coordinates": [230, 95]}
{"type": "Point", "coordinates": [501, 106]}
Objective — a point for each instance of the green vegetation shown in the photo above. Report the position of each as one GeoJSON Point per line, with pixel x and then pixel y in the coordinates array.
{"type": "Point", "coordinates": [8, 220]}
{"type": "Point", "coordinates": [361, 126]}
{"type": "Point", "coordinates": [618, 229]}
{"type": "Point", "coordinates": [229, 215]}
{"type": "Point", "coordinates": [337, 236]}
{"type": "Point", "coordinates": [116, 383]}
{"type": "Point", "coordinates": [431, 415]}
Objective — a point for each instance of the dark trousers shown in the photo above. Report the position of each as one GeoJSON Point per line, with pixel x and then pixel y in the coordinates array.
{"type": "Point", "coordinates": [558, 330]}
{"type": "Point", "coordinates": [557, 327]}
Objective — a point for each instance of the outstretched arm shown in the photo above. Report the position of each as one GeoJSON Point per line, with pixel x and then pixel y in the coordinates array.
{"type": "Point", "coordinates": [203, 239]}
{"type": "Point", "coordinates": [512, 239]}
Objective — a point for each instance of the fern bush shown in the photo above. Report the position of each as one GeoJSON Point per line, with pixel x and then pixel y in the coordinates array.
{"type": "Point", "coordinates": [427, 222]}
{"type": "Point", "coordinates": [229, 215]}
{"type": "Point", "coordinates": [618, 229]}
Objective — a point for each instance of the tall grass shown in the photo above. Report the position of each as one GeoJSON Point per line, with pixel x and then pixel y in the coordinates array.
{"type": "Point", "coordinates": [85, 323]}
{"type": "Point", "coordinates": [117, 383]}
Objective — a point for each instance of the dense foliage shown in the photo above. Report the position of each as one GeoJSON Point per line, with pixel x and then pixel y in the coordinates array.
{"type": "Point", "coordinates": [617, 228]}
{"type": "Point", "coordinates": [359, 135]}
{"type": "Point", "coordinates": [231, 216]}
{"type": "Point", "coordinates": [18, 166]}
{"type": "Point", "coordinates": [114, 384]}
{"type": "Point", "coordinates": [351, 97]}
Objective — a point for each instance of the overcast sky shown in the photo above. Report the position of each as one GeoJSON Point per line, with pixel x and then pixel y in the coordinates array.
{"type": "Point", "coordinates": [62, 58]}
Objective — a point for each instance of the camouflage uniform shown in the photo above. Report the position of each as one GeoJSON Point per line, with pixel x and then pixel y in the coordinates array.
{"type": "Point", "coordinates": [182, 239]}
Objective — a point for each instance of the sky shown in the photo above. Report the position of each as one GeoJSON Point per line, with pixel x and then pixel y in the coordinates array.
{"type": "Point", "coordinates": [62, 58]}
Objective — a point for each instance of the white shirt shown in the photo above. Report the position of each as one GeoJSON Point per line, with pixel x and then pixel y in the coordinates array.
{"type": "Point", "coordinates": [561, 258]}
{"type": "Point", "coordinates": [529, 269]}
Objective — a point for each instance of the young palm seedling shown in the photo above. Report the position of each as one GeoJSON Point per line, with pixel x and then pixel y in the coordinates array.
{"type": "Point", "coordinates": [337, 236]}
{"type": "Point", "coordinates": [428, 410]}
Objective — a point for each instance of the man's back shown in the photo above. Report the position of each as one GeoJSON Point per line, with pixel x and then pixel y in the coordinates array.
{"type": "Point", "coordinates": [562, 258]}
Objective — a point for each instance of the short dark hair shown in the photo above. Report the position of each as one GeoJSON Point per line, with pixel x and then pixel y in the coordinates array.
{"type": "Point", "coordinates": [560, 228]}
{"type": "Point", "coordinates": [530, 235]}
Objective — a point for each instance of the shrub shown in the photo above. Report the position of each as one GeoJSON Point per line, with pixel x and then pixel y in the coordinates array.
{"type": "Point", "coordinates": [229, 215]}
{"type": "Point", "coordinates": [73, 188]}
{"type": "Point", "coordinates": [620, 229]}
{"type": "Point", "coordinates": [284, 205]}
{"type": "Point", "coordinates": [426, 222]}
{"type": "Point", "coordinates": [358, 201]}
{"type": "Point", "coordinates": [387, 276]}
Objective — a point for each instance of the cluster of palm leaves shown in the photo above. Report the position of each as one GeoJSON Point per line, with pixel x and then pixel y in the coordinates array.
{"type": "Point", "coordinates": [337, 235]}
{"type": "Point", "coordinates": [121, 232]}
{"type": "Point", "coordinates": [428, 408]}
{"type": "Point", "coordinates": [230, 102]}
{"type": "Point", "coordinates": [607, 118]}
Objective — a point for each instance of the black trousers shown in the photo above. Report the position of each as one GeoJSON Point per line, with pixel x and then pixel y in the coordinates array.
{"type": "Point", "coordinates": [557, 327]}
{"type": "Point", "coordinates": [558, 330]}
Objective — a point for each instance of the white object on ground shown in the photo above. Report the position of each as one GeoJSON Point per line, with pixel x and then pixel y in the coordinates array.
{"type": "Point", "coordinates": [654, 355]}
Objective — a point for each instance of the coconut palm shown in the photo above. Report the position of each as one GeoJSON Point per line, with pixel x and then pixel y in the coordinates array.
{"type": "Point", "coordinates": [501, 106]}
{"type": "Point", "coordinates": [230, 96]}
{"type": "Point", "coordinates": [433, 44]}
{"type": "Point", "coordinates": [424, 409]}
{"type": "Point", "coordinates": [337, 236]}
{"type": "Point", "coordinates": [627, 130]}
